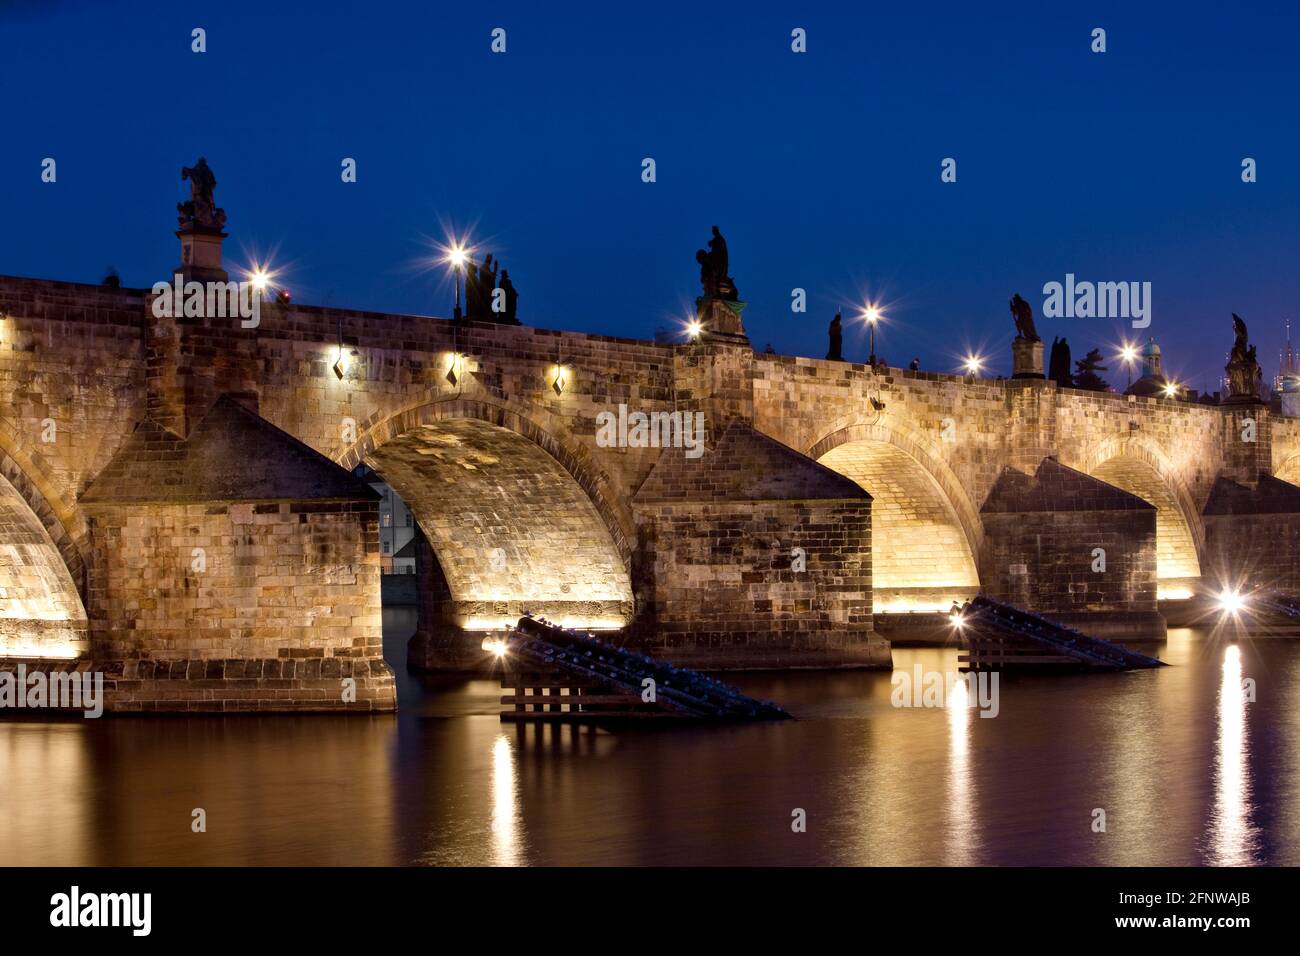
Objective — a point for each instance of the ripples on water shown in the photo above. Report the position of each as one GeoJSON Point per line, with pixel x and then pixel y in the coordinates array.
{"type": "Point", "coordinates": [1187, 769]}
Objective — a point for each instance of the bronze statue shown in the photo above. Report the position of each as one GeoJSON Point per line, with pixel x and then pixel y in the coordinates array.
{"type": "Point", "coordinates": [512, 299]}
{"type": "Point", "coordinates": [473, 290]}
{"type": "Point", "coordinates": [201, 210]}
{"type": "Point", "coordinates": [713, 269]}
{"type": "Point", "coordinates": [1244, 373]}
{"type": "Point", "coordinates": [1024, 316]}
{"type": "Point", "coordinates": [1058, 367]}
{"type": "Point", "coordinates": [487, 283]}
{"type": "Point", "coordinates": [836, 333]}
{"type": "Point", "coordinates": [718, 250]}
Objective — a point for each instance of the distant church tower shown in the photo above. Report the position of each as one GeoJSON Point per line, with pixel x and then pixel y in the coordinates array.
{"type": "Point", "coordinates": [1287, 383]}
{"type": "Point", "coordinates": [1151, 367]}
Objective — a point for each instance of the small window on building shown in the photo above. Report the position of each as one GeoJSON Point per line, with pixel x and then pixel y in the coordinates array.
{"type": "Point", "coordinates": [386, 520]}
{"type": "Point", "coordinates": [388, 547]}
{"type": "Point", "coordinates": [408, 519]}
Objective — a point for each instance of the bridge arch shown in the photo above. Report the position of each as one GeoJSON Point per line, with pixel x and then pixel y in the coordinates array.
{"type": "Point", "coordinates": [517, 519]}
{"type": "Point", "coordinates": [926, 531]}
{"type": "Point", "coordinates": [42, 571]}
{"type": "Point", "coordinates": [1289, 470]}
{"type": "Point", "coordinates": [1142, 469]}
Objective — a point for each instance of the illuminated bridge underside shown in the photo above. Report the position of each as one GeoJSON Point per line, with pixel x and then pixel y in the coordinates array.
{"type": "Point", "coordinates": [513, 531]}
{"type": "Point", "coordinates": [920, 558]}
{"type": "Point", "coordinates": [1177, 565]}
{"type": "Point", "coordinates": [41, 614]}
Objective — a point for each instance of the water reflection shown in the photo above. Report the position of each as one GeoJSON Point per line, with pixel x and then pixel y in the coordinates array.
{"type": "Point", "coordinates": [505, 803]}
{"type": "Point", "coordinates": [445, 782]}
{"type": "Point", "coordinates": [960, 843]}
{"type": "Point", "coordinates": [1232, 838]}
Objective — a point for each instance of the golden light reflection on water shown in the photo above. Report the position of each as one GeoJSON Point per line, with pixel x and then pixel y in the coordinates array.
{"type": "Point", "coordinates": [1188, 770]}
{"type": "Point", "coordinates": [959, 849]}
{"type": "Point", "coordinates": [1232, 837]}
{"type": "Point", "coordinates": [505, 804]}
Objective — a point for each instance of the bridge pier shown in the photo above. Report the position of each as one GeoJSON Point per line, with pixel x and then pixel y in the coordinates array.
{"type": "Point", "coordinates": [1077, 550]}
{"type": "Point", "coordinates": [234, 570]}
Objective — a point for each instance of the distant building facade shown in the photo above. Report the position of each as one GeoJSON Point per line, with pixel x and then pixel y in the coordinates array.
{"type": "Point", "coordinates": [396, 526]}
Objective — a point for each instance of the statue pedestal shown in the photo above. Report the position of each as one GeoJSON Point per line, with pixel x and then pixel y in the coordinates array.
{"type": "Point", "coordinates": [201, 254]}
{"type": "Point", "coordinates": [720, 320]}
{"type": "Point", "coordinates": [1026, 359]}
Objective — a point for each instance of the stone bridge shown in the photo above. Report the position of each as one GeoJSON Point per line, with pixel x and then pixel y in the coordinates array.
{"type": "Point", "coordinates": [178, 508]}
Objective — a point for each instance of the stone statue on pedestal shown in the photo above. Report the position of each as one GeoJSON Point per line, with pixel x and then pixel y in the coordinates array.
{"type": "Point", "coordinates": [714, 265]}
{"type": "Point", "coordinates": [512, 299]}
{"type": "Point", "coordinates": [836, 333]}
{"type": "Point", "coordinates": [1244, 373]}
{"type": "Point", "coordinates": [200, 211]}
{"type": "Point", "coordinates": [1023, 313]}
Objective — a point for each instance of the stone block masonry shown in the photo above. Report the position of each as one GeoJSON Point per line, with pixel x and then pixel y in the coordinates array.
{"type": "Point", "coordinates": [1074, 549]}
{"type": "Point", "coordinates": [113, 465]}
{"type": "Point", "coordinates": [754, 556]}
{"type": "Point", "coordinates": [234, 570]}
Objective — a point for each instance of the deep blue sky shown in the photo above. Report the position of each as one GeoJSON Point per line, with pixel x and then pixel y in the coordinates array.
{"type": "Point", "coordinates": [822, 169]}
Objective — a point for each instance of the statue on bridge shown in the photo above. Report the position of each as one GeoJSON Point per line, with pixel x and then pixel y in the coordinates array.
{"type": "Point", "coordinates": [714, 266]}
{"type": "Point", "coordinates": [1058, 366]}
{"type": "Point", "coordinates": [480, 282]}
{"type": "Point", "coordinates": [1244, 373]}
{"type": "Point", "coordinates": [1023, 313]}
{"type": "Point", "coordinates": [836, 331]}
{"type": "Point", "coordinates": [201, 210]}
{"type": "Point", "coordinates": [510, 316]}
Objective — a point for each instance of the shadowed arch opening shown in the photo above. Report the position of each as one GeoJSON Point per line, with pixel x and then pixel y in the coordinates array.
{"type": "Point", "coordinates": [922, 547]}
{"type": "Point", "coordinates": [41, 613]}
{"type": "Point", "coordinates": [513, 531]}
{"type": "Point", "coordinates": [1136, 470]}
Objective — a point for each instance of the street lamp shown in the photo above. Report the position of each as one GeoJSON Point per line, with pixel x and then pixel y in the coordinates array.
{"type": "Point", "coordinates": [872, 315]}
{"type": "Point", "coordinates": [1128, 355]}
{"type": "Point", "coordinates": [1171, 389]}
{"type": "Point", "coordinates": [456, 258]}
{"type": "Point", "coordinates": [973, 364]}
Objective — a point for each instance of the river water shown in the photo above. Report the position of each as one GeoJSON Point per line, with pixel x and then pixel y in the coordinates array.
{"type": "Point", "coordinates": [1186, 767]}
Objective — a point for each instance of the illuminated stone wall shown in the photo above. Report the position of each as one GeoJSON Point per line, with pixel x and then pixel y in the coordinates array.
{"type": "Point", "coordinates": [513, 531]}
{"type": "Point", "coordinates": [755, 556]}
{"type": "Point", "coordinates": [920, 558]}
{"type": "Point", "coordinates": [1252, 535]}
{"type": "Point", "coordinates": [95, 363]}
{"type": "Point", "coordinates": [40, 611]}
{"type": "Point", "coordinates": [1074, 548]}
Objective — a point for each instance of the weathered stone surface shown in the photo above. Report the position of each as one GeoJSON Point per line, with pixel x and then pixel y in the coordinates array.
{"type": "Point", "coordinates": [96, 363]}
{"type": "Point", "coordinates": [753, 555]}
{"type": "Point", "coordinates": [1073, 548]}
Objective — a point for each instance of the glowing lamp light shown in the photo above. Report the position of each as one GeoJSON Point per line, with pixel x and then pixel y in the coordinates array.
{"type": "Point", "coordinates": [495, 646]}
{"type": "Point", "coordinates": [957, 620]}
{"type": "Point", "coordinates": [1171, 389]}
{"type": "Point", "coordinates": [1128, 354]}
{"type": "Point", "coordinates": [973, 364]}
{"type": "Point", "coordinates": [456, 257]}
{"type": "Point", "coordinates": [454, 369]}
{"type": "Point", "coordinates": [559, 379]}
{"type": "Point", "coordinates": [694, 328]}
{"type": "Point", "coordinates": [260, 279]}
{"type": "Point", "coordinates": [1231, 601]}
{"type": "Point", "coordinates": [341, 365]}
{"type": "Point", "coordinates": [872, 314]}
